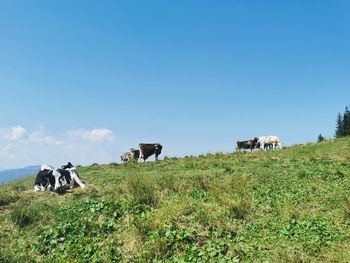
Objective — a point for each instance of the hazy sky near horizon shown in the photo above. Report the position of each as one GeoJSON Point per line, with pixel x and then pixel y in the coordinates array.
{"type": "Point", "coordinates": [83, 81]}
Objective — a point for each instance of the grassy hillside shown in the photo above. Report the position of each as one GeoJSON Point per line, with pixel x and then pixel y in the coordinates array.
{"type": "Point", "coordinates": [291, 205]}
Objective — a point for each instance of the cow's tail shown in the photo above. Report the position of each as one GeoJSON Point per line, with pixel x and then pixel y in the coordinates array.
{"type": "Point", "coordinates": [236, 147]}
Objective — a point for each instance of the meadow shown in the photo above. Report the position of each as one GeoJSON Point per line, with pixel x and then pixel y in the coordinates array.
{"type": "Point", "coordinates": [290, 205]}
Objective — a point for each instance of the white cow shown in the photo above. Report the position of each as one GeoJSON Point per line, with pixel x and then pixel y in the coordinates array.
{"type": "Point", "coordinates": [273, 140]}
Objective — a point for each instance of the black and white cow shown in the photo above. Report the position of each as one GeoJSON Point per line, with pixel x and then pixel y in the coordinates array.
{"type": "Point", "coordinates": [148, 149]}
{"type": "Point", "coordinates": [135, 154]}
{"type": "Point", "coordinates": [267, 146]}
{"type": "Point", "coordinates": [57, 179]}
{"type": "Point", "coordinates": [249, 144]}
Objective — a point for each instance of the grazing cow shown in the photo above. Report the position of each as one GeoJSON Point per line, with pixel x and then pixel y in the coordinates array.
{"type": "Point", "coordinates": [133, 154]}
{"type": "Point", "coordinates": [148, 149]}
{"type": "Point", "coordinates": [250, 144]}
{"type": "Point", "coordinates": [270, 140]}
{"type": "Point", "coordinates": [125, 157]}
{"type": "Point", "coordinates": [57, 179]}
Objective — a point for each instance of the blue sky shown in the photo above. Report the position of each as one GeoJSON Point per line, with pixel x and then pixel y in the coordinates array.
{"type": "Point", "coordinates": [83, 81]}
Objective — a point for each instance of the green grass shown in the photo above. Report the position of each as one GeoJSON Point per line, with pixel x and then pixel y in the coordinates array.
{"type": "Point", "coordinates": [291, 205]}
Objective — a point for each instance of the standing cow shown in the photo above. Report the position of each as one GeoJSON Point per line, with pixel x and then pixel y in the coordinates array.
{"type": "Point", "coordinates": [148, 149]}
{"type": "Point", "coordinates": [125, 157]}
{"type": "Point", "coordinates": [270, 140]}
{"type": "Point", "coordinates": [133, 154]}
{"type": "Point", "coordinates": [250, 144]}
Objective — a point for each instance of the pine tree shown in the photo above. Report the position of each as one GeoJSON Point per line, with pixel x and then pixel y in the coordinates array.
{"type": "Point", "coordinates": [320, 138]}
{"type": "Point", "coordinates": [339, 128]}
{"type": "Point", "coordinates": [346, 122]}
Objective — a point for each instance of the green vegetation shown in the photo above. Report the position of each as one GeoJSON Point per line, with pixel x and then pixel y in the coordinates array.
{"type": "Point", "coordinates": [291, 205]}
{"type": "Point", "coordinates": [320, 138]}
{"type": "Point", "coordinates": [343, 124]}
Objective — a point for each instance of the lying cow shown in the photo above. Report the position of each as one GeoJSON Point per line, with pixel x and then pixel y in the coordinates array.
{"type": "Point", "coordinates": [148, 149]}
{"type": "Point", "coordinates": [57, 179]}
{"type": "Point", "coordinates": [270, 140]}
{"type": "Point", "coordinates": [250, 144]}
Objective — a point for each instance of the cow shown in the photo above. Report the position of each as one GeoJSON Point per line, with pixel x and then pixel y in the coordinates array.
{"type": "Point", "coordinates": [125, 157]}
{"type": "Point", "coordinates": [267, 146]}
{"type": "Point", "coordinates": [249, 144]}
{"type": "Point", "coordinates": [270, 140]}
{"type": "Point", "coordinates": [133, 154]}
{"type": "Point", "coordinates": [148, 149]}
{"type": "Point", "coordinates": [44, 180]}
{"type": "Point", "coordinates": [57, 179]}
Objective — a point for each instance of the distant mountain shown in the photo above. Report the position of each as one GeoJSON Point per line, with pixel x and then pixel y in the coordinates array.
{"type": "Point", "coordinates": [8, 175]}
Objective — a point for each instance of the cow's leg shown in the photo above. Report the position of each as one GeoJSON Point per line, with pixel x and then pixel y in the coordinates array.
{"type": "Point", "coordinates": [156, 155]}
{"type": "Point", "coordinates": [140, 157]}
{"type": "Point", "coordinates": [57, 175]}
{"type": "Point", "coordinates": [76, 179]}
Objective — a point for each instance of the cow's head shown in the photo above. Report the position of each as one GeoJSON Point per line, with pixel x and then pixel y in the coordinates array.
{"type": "Point", "coordinates": [158, 148]}
{"type": "Point", "coordinates": [67, 166]}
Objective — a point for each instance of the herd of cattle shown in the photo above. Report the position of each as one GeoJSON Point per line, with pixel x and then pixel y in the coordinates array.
{"type": "Point", "coordinates": [264, 143]}
{"type": "Point", "coordinates": [59, 179]}
{"type": "Point", "coordinates": [146, 150]}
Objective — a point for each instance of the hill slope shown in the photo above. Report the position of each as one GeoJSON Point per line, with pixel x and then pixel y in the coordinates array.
{"type": "Point", "coordinates": [8, 175]}
{"type": "Point", "coordinates": [291, 205]}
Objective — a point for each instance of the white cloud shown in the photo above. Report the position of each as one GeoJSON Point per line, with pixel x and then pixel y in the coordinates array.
{"type": "Point", "coordinates": [14, 133]}
{"type": "Point", "coordinates": [94, 135]}
{"type": "Point", "coordinates": [19, 147]}
{"type": "Point", "coordinates": [18, 133]}
{"type": "Point", "coordinates": [40, 137]}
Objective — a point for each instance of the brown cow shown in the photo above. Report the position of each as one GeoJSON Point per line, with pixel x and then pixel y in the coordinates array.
{"type": "Point", "coordinates": [148, 149]}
